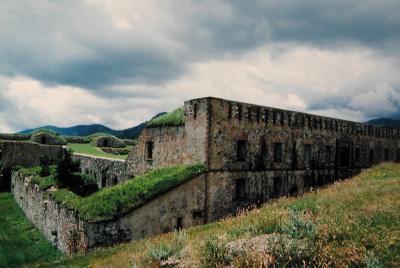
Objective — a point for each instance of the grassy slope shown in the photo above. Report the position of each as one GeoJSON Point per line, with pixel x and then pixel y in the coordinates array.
{"type": "Point", "coordinates": [95, 151]}
{"type": "Point", "coordinates": [20, 241]}
{"type": "Point", "coordinates": [352, 223]}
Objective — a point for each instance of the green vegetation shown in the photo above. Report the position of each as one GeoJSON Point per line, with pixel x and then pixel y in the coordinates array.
{"type": "Point", "coordinates": [45, 130]}
{"type": "Point", "coordinates": [118, 200]}
{"type": "Point", "coordinates": [44, 182]}
{"type": "Point", "coordinates": [56, 139]}
{"type": "Point", "coordinates": [99, 134]}
{"type": "Point", "coordinates": [66, 174]}
{"type": "Point", "coordinates": [77, 139]}
{"type": "Point", "coordinates": [90, 149]}
{"type": "Point", "coordinates": [354, 223]}
{"type": "Point", "coordinates": [174, 118]}
{"type": "Point", "coordinates": [20, 242]}
{"type": "Point", "coordinates": [14, 137]}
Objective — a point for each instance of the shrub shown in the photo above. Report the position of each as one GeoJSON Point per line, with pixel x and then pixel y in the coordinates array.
{"type": "Point", "coordinates": [44, 166]}
{"type": "Point", "coordinates": [174, 118]}
{"type": "Point", "coordinates": [44, 183]}
{"type": "Point", "coordinates": [164, 250]}
{"type": "Point", "coordinates": [214, 253]}
{"type": "Point", "coordinates": [161, 252]}
{"type": "Point", "coordinates": [67, 166]}
{"type": "Point", "coordinates": [299, 228]}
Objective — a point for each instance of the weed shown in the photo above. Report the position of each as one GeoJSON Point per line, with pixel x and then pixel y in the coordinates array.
{"type": "Point", "coordinates": [214, 253]}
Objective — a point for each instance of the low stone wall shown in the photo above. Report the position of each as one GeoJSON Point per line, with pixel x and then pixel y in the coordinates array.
{"type": "Point", "coordinates": [61, 226]}
{"type": "Point", "coordinates": [107, 172]}
{"type": "Point", "coordinates": [27, 154]}
{"type": "Point", "coordinates": [179, 208]}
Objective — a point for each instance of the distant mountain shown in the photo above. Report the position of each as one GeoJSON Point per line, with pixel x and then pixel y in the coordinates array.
{"type": "Point", "coordinates": [86, 130]}
{"type": "Point", "coordinates": [385, 122]}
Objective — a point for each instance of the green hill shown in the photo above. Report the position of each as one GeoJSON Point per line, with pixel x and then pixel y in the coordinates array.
{"type": "Point", "coordinates": [353, 223]}
{"type": "Point", "coordinates": [87, 130]}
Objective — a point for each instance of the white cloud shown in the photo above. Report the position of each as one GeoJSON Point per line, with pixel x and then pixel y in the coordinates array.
{"type": "Point", "coordinates": [120, 62]}
{"type": "Point", "coordinates": [344, 83]}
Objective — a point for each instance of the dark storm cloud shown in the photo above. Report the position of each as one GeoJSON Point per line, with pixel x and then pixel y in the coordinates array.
{"type": "Point", "coordinates": [71, 43]}
{"type": "Point", "coordinates": [374, 24]}
{"type": "Point", "coordinates": [116, 68]}
{"type": "Point", "coordinates": [74, 43]}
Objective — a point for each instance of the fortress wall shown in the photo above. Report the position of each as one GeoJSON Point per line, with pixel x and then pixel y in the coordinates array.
{"type": "Point", "coordinates": [230, 191]}
{"type": "Point", "coordinates": [173, 145]}
{"type": "Point", "coordinates": [61, 226]}
{"type": "Point", "coordinates": [107, 172]}
{"type": "Point", "coordinates": [262, 127]}
{"type": "Point", "coordinates": [168, 148]}
{"type": "Point", "coordinates": [197, 116]}
{"type": "Point", "coordinates": [27, 154]}
{"type": "Point", "coordinates": [181, 207]}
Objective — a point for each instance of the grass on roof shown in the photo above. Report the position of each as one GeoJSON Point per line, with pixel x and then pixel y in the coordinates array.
{"type": "Point", "coordinates": [89, 149]}
{"type": "Point", "coordinates": [45, 130]}
{"type": "Point", "coordinates": [174, 118]}
{"type": "Point", "coordinates": [118, 200]}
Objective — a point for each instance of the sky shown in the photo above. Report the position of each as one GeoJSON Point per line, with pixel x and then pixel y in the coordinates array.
{"type": "Point", "coordinates": [120, 62]}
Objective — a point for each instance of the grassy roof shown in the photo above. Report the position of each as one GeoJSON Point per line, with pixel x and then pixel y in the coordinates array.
{"type": "Point", "coordinates": [45, 130]}
{"type": "Point", "coordinates": [174, 118]}
{"type": "Point", "coordinates": [120, 199]}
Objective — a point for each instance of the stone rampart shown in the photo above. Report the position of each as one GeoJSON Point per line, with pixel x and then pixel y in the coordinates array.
{"type": "Point", "coordinates": [107, 172]}
{"type": "Point", "coordinates": [181, 207]}
{"type": "Point", "coordinates": [27, 154]}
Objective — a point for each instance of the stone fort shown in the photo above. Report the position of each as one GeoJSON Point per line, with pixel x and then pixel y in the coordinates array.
{"type": "Point", "coordinates": [251, 153]}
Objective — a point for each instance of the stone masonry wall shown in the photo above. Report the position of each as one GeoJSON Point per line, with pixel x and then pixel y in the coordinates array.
{"type": "Point", "coordinates": [229, 191]}
{"type": "Point", "coordinates": [173, 145]}
{"type": "Point", "coordinates": [61, 226]}
{"type": "Point", "coordinates": [107, 172]}
{"type": "Point", "coordinates": [331, 143]}
{"type": "Point", "coordinates": [168, 149]}
{"type": "Point", "coordinates": [27, 154]}
{"type": "Point", "coordinates": [179, 208]}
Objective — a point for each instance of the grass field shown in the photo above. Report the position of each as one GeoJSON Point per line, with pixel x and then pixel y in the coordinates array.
{"type": "Point", "coordinates": [20, 241]}
{"type": "Point", "coordinates": [354, 223]}
{"type": "Point", "coordinates": [89, 149]}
